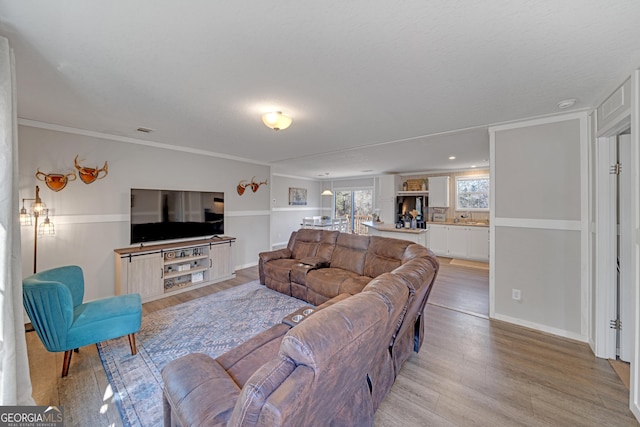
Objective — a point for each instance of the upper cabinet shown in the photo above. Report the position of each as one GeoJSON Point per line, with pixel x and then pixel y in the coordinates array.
{"type": "Point", "coordinates": [439, 192]}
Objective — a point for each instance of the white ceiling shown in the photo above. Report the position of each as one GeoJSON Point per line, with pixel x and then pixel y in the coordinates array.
{"type": "Point", "coordinates": [371, 85]}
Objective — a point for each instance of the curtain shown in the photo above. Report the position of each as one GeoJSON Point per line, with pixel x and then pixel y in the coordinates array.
{"type": "Point", "coordinates": [15, 383]}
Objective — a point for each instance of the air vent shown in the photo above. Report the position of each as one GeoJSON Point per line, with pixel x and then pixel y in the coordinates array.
{"type": "Point", "coordinates": [145, 130]}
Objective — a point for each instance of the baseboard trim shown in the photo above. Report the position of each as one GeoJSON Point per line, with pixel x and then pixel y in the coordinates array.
{"type": "Point", "coordinates": [542, 328]}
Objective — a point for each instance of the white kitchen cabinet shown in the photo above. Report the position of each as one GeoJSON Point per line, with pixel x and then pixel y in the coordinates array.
{"type": "Point", "coordinates": [478, 243]}
{"type": "Point", "coordinates": [438, 239]}
{"type": "Point", "coordinates": [459, 241]}
{"type": "Point", "coordinates": [439, 192]}
{"type": "Point", "coordinates": [389, 184]}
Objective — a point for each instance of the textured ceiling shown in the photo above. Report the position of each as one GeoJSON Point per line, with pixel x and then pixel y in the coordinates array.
{"type": "Point", "coordinates": [374, 85]}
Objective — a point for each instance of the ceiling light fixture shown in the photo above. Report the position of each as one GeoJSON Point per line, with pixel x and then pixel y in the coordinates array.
{"type": "Point", "coordinates": [327, 192]}
{"type": "Point", "coordinates": [276, 120]}
{"type": "Point", "coordinates": [452, 157]}
{"type": "Point", "coordinates": [566, 103]}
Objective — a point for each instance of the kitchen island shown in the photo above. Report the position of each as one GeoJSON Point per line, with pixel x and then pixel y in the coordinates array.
{"type": "Point", "coordinates": [417, 235]}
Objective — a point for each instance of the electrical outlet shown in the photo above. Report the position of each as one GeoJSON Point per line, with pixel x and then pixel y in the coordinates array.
{"type": "Point", "coordinates": [516, 294]}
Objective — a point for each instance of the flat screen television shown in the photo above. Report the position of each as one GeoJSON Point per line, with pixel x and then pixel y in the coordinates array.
{"type": "Point", "coordinates": [169, 214]}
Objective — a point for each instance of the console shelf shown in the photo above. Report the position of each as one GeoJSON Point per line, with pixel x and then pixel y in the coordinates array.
{"type": "Point", "coordinates": [155, 271]}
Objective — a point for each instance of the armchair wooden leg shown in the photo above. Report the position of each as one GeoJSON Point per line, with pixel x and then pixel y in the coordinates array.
{"type": "Point", "coordinates": [132, 344]}
{"type": "Point", "coordinates": [66, 362]}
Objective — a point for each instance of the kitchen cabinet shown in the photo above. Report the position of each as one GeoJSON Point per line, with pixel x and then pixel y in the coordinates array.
{"type": "Point", "coordinates": [459, 241]}
{"type": "Point", "coordinates": [478, 243]}
{"type": "Point", "coordinates": [439, 192]}
{"type": "Point", "coordinates": [438, 239]}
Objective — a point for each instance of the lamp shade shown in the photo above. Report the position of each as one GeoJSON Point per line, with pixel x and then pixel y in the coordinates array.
{"type": "Point", "coordinates": [276, 120]}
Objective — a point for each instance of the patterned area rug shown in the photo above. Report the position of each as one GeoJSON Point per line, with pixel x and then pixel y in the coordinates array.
{"type": "Point", "coordinates": [211, 325]}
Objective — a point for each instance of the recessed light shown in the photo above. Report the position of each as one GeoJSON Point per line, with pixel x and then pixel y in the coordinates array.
{"type": "Point", "coordinates": [367, 170]}
{"type": "Point", "coordinates": [566, 103]}
{"type": "Point", "coordinates": [452, 157]}
{"type": "Point", "coordinates": [144, 130]}
{"type": "Point", "coordinates": [473, 166]}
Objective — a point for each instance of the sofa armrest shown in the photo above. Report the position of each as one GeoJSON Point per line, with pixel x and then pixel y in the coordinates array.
{"type": "Point", "coordinates": [198, 391]}
{"type": "Point", "coordinates": [264, 257]}
{"type": "Point", "coordinates": [277, 254]}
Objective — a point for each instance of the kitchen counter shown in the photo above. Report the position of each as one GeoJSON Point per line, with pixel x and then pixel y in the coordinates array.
{"type": "Point", "coordinates": [417, 235]}
{"type": "Point", "coordinates": [381, 226]}
{"type": "Point", "coordinates": [466, 224]}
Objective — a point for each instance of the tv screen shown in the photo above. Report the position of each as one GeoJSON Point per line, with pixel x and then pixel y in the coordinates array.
{"type": "Point", "coordinates": [168, 214]}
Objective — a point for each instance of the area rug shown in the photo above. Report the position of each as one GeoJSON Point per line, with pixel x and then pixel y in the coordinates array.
{"type": "Point", "coordinates": [212, 324]}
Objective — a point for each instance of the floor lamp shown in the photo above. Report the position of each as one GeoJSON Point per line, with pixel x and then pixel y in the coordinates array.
{"type": "Point", "coordinates": [45, 229]}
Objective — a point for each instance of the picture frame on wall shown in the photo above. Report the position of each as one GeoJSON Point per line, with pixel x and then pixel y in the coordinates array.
{"type": "Point", "coordinates": [297, 196]}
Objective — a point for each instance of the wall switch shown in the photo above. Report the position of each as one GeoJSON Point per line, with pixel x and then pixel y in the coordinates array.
{"type": "Point", "coordinates": [516, 294]}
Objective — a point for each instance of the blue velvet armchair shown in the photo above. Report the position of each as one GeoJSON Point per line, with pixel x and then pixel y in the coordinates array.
{"type": "Point", "coordinates": [53, 301]}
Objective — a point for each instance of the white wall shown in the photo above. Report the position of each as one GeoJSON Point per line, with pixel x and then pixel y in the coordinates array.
{"type": "Point", "coordinates": [93, 219]}
{"type": "Point", "coordinates": [539, 227]}
{"type": "Point", "coordinates": [286, 218]}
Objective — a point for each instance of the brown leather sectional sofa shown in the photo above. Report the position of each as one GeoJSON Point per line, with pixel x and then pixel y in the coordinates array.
{"type": "Point", "coordinates": [334, 366]}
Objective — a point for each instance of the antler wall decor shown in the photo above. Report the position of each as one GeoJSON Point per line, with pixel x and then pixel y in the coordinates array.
{"type": "Point", "coordinates": [55, 181]}
{"type": "Point", "coordinates": [253, 184]}
{"type": "Point", "coordinates": [88, 175]}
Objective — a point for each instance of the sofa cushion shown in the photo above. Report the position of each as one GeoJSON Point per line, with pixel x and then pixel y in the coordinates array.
{"type": "Point", "coordinates": [242, 361]}
{"type": "Point", "coordinates": [311, 243]}
{"type": "Point", "coordinates": [199, 390]}
{"type": "Point", "coordinates": [350, 252]}
{"type": "Point", "coordinates": [328, 281]}
{"type": "Point", "coordinates": [384, 255]}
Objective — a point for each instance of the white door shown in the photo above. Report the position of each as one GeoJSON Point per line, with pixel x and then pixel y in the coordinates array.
{"type": "Point", "coordinates": [625, 245]}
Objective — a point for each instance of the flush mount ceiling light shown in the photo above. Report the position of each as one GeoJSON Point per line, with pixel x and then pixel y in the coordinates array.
{"type": "Point", "coordinates": [326, 192]}
{"type": "Point", "coordinates": [566, 103]}
{"type": "Point", "coordinates": [452, 157]}
{"type": "Point", "coordinates": [276, 120]}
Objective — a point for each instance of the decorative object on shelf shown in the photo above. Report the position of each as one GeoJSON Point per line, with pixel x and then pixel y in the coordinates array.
{"type": "Point", "coordinates": [425, 183]}
{"type": "Point", "coordinates": [242, 185]}
{"type": "Point", "coordinates": [327, 192]}
{"type": "Point", "coordinates": [38, 207]}
{"type": "Point", "coordinates": [404, 186]}
{"type": "Point", "coordinates": [88, 175]}
{"type": "Point", "coordinates": [55, 181]}
{"type": "Point", "coordinates": [414, 185]}
{"type": "Point", "coordinates": [297, 196]}
{"type": "Point", "coordinates": [276, 120]}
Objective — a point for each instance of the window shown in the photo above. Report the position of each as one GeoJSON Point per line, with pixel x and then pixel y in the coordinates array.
{"type": "Point", "coordinates": [472, 193]}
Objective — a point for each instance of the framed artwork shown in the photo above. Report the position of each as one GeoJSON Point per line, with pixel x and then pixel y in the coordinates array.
{"type": "Point", "coordinates": [297, 196]}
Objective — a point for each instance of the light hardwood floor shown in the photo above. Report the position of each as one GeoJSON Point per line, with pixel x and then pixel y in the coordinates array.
{"type": "Point", "coordinates": [470, 371]}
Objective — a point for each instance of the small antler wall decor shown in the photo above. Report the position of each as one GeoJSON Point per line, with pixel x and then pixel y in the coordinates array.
{"type": "Point", "coordinates": [88, 175]}
{"type": "Point", "coordinates": [253, 184]}
{"type": "Point", "coordinates": [55, 181]}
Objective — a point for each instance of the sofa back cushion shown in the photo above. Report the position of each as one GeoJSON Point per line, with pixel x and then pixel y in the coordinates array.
{"type": "Point", "coordinates": [350, 252]}
{"type": "Point", "coordinates": [383, 255]}
{"type": "Point", "coordinates": [339, 343]}
{"type": "Point", "coordinates": [419, 266]}
{"type": "Point", "coordinates": [396, 295]}
{"type": "Point", "coordinates": [309, 242]}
